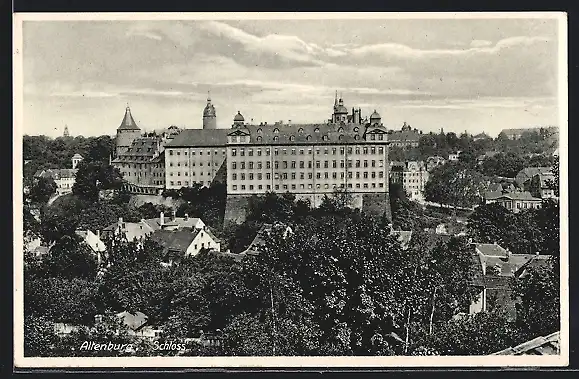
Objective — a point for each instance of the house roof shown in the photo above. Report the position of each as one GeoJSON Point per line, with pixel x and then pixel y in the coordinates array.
{"type": "Point", "coordinates": [495, 187]}
{"type": "Point", "coordinates": [147, 226]}
{"type": "Point", "coordinates": [404, 136]}
{"type": "Point", "coordinates": [56, 174]}
{"type": "Point", "coordinates": [77, 155]}
{"type": "Point", "coordinates": [178, 240]}
{"type": "Point", "coordinates": [135, 320]}
{"type": "Point", "coordinates": [536, 261]}
{"type": "Point", "coordinates": [491, 249]}
{"type": "Point", "coordinates": [92, 240]}
{"type": "Point", "coordinates": [128, 123]}
{"type": "Point", "coordinates": [512, 196]}
{"type": "Point", "coordinates": [529, 172]}
{"type": "Point", "coordinates": [547, 345]}
{"type": "Point", "coordinates": [141, 149]}
{"type": "Point", "coordinates": [295, 134]}
{"type": "Point", "coordinates": [132, 230]}
{"type": "Point", "coordinates": [200, 137]}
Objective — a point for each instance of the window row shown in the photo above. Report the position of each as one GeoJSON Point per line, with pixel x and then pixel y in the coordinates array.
{"type": "Point", "coordinates": [302, 164]}
{"type": "Point", "coordinates": [186, 183]}
{"type": "Point", "coordinates": [186, 173]}
{"type": "Point", "coordinates": [294, 187]}
{"type": "Point", "coordinates": [193, 164]}
{"type": "Point", "coordinates": [319, 151]}
{"type": "Point", "coordinates": [309, 175]}
{"type": "Point", "coordinates": [196, 152]}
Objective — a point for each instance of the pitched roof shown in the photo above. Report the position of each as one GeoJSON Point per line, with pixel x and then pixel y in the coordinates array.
{"type": "Point", "coordinates": [56, 174]}
{"type": "Point", "coordinates": [547, 345]}
{"type": "Point", "coordinates": [77, 155]}
{"type": "Point", "coordinates": [92, 240]}
{"type": "Point", "coordinates": [285, 134]}
{"type": "Point", "coordinates": [403, 236]}
{"type": "Point", "coordinates": [128, 122]}
{"type": "Point", "coordinates": [495, 187]}
{"type": "Point", "coordinates": [200, 137]}
{"type": "Point", "coordinates": [175, 240]}
{"type": "Point", "coordinates": [511, 195]}
{"type": "Point", "coordinates": [135, 320]}
{"type": "Point", "coordinates": [141, 149]}
{"type": "Point", "coordinates": [404, 136]}
{"type": "Point", "coordinates": [491, 249]}
{"type": "Point", "coordinates": [132, 230]}
{"type": "Point", "coordinates": [529, 172]}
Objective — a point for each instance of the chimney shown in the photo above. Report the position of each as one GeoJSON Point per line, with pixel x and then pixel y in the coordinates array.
{"type": "Point", "coordinates": [98, 234]}
{"type": "Point", "coordinates": [186, 217]}
{"type": "Point", "coordinates": [173, 215]}
{"type": "Point", "coordinates": [162, 219]}
{"type": "Point", "coordinates": [537, 253]}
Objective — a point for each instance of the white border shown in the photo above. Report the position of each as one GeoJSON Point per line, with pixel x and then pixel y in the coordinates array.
{"type": "Point", "coordinates": [256, 362]}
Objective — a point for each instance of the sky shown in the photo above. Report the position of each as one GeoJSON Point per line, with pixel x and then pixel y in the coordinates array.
{"type": "Point", "coordinates": [461, 75]}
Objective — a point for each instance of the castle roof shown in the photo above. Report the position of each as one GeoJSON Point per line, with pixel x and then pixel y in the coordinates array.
{"type": "Point", "coordinates": [141, 149]}
{"type": "Point", "coordinates": [308, 133]}
{"type": "Point", "coordinates": [375, 115]}
{"type": "Point", "coordinates": [128, 122]}
{"type": "Point", "coordinates": [238, 117]}
{"type": "Point", "coordinates": [200, 137]}
{"type": "Point", "coordinates": [209, 110]}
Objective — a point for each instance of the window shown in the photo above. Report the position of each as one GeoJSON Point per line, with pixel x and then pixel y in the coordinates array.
{"type": "Point", "coordinates": [293, 175]}
{"type": "Point", "coordinates": [233, 152]}
{"type": "Point", "coordinates": [301, 151]}
{"type": "Point", "coordinates": [258, 138]}
{"type": "Point", "coordinates": [334, 175]}
{"type": "Point", "coordinates": [357, 164]}
{"type": "Point", "coordinates": [365, 163]}
{"type": "Point", "coordinates": [243, 165]}
{"type": "Point", "coordinates": [259, 131]}
{"type": "Point", "coordinates": [380, 137]}
{"type": "Point", "coordinates": [334, 164]}
{"type": "Point", "coordinates": [310, 164]}
{"type": "Point", "coordinates": [373, 137]}
{"type": "Point", "coordinates": [276, 131]}
{"type": "Point", "coordinates": [325, 138]}
{"type": "Point", "coordinates": [268, 164]}
{"type": "Point", "coordinates": [342, 163]}
{"type": "Point", "coordinates": [293, 151]}
{"type": "Point", "coordinates": [326, 175]}
{"type": "Point", "coordinates": [373, 163]}
{"type": "Point", "coordinates": [301, 164]}
{"type": "Point", "coordinates": [276, 152]}
{"type": "Point", "coordinates": [293, 164]}
{"type": "Point", "coordinates": [356, 129]}
{"type": "Point", "coordinates": [301, 175]}
{"type": "Point", "coordinates": [250, 165]}
{"type": "Point", "coordinates": [234, 176]}
{"type": "Point", "coordinates": [318, 175]}
{"type": "Point", "coordinates": [317, 164]}
{"type": "Point", "coordinates": [267, 152]}
{"type": "Point", "coordinates": [326, 151]}
{"type": "Point", "coordinates": [357, 175]}
{"type": "Point", "coordinates": [171, 153]}
{"type": "Point", "coordinates": [268, 176]}
{"type": "Point", "coordinates": [243, 186]}
{"type": "Point", "coordinates": [242, 176]}
{"type": "Point", "coordinates": [284, 164]}
{"type": "Point", "coordinates": [276, 165]}
{"type": "Point", "coordinates": [259, 165]}
{"type": "Point", "coordinates": [250, 176]}
{"type": "Point", "coordinates": [284, 151]}
{"type": "Point", "coordinates": [292, 138]}
{"type": "Point", "coordinates": [301, 130]}
{"type": "Point", "coordinates": [372, 150]}
{"type": "Point", "coordinates": [340, 130]}
{"type": "Point", "coordinates": [242, 152]}
{"type": "Point", "coordinates": [260, 187]}
{"type": "Point", "coordinates": [259, 176]}
{"type": "Point", "coordinates": [316, 130]}
{"type": "Point", "coordinates": [325, 164]}
{"type": "Point", "coordinates": [309, 138]}
{"type": "Point", "coordinates": [250, 152]}
{"type": "Point", "coordinates": [259, 152]}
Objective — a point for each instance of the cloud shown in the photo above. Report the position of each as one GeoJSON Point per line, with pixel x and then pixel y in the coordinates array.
{"type": "Point", "coordinates": [480, 43]}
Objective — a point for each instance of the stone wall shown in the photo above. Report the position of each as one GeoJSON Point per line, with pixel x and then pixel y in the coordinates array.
{"type": "Point", "coordinates": [236, 208]}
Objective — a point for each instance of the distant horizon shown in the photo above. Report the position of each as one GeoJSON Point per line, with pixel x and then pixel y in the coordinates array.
{"type": "Point", "coordinates": [474, 75]}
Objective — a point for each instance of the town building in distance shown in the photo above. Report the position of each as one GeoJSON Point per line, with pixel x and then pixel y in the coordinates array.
{"type": "Point", "coordinates": [412, 176]}
{"type": "Point", "coordinates": [64, 178]}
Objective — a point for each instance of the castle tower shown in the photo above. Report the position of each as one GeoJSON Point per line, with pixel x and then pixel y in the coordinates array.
{"type": "Point", "coordinates": [76, 158]}
{"type": "Point", "coordinates": [127, 132]}
{"type": "Point", "coordinates": [340, 111]}
{"type": "Point", "coordinates": [66, 133]}
{"type": "Point", "coordinates": [238, 120]}
{"type": "Point", "coordinates": [209, 115]}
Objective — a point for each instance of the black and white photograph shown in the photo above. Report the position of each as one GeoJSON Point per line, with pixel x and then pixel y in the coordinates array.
{"type": "Point", "coordinates": [288, 189]}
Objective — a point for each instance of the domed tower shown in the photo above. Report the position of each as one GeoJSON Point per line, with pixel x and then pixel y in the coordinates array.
{"type": "Point", "coordinates": [340, 111]}
{"type": "Point", "coordinates": [375, 118]}
{"type": "Point", "coordinates": [127, 132]}
{"type": "Point", "coordinates": [76, 158]}
{"type": "Point", "coordinates": [238, 120]}
{"type": "Point", "coordinates": [209, 115]}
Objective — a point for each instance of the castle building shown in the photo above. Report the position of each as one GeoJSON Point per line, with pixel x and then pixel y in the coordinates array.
{"type": "Point", "coordinates": [209, 115]}
{"type": "Point", "coordinates": [405, 138]}
{"type": "Point", "coordinates": [309, 160]}
{"type": "Point", "coordinates": [140, 159]}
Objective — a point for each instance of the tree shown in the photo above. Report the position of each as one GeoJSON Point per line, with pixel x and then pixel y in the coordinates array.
{"type": "Point", "coordinates": [455, 184]}
{"type": "Point", "coordinates": [538, 313]}
{"type": "Point", "coordinates": [69, 259]}
{"type": "Point", "coordinates": [92, 177]}
{"type": "Point", "coordinates": [42, 190]}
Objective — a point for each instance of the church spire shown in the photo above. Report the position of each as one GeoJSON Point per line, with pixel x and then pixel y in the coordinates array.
{"type": "Point", "coordinates": [128, 122]}
{"type": "Point", "coordinates": [66, 133]}
{"type": "Point", "coordinates": [336, 99]}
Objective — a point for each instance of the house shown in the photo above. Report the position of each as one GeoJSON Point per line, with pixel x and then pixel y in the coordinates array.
{"type": "Point", "coordinates": [495, 271]}
{"type": "Point", "coordinates": [64, 178]}
{"type": "Point", "coordinates": [145, 227]}
{"type": "Point", "coordinates": [405, 138]}
{"type": "Point", "coordinates": [513, 201]}
{"type": "Point", "coordinates": [540, 185]}
{"type": "Point", "coordinates": [527, 174]}
{"type": "Point", "coordinates": [453, 156]}
{"type": "Point", "coordinates": [186, 241]}
{"type": "Point", "coordinates": [137, 324]}
{"type": "Point", "coordinates": [434, 161]}
{"type": "Point", "coordinates": [412, 176]}
{"type": "Point", "coordinates": [258, 243]}
{"type": "Point", "coordinates": [480, 136]}
{"type": "Point", "coordinates": [547, 345]}
{"type": "Point", "coordinates": [517, 133]}
{"type": "Point", "coordinates": [93, 241]}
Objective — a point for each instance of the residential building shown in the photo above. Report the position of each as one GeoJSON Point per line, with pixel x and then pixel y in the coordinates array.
{"type": "Point", "coordinates": [527, 174]}
{"type": "Point", "coordinates": [64, 178]}
{"type": "Point", "coordinates": [495, 268]}
{"type": "Point", "coordinates": [540, 185]}
{"type": "Point", "coordinates": [405, 138]}
{"type": "Point", "coordinates": [185, 241]}
{"type": "Point", "coordinates": [93, 241]}
{"type": "Point", "coordinates": [412, 176]}
{"type": "Point", "coordinates": [514, 201]}
{"type": "Point", "coordinates": [134, 231]}
{"type": "Point", "coordinates": [309, 161]}
{"type": "Point", "coordinates": [434, 161]}
{"type": "Point", "coordinates": [518, 132]}
{"type": "Point", "coordinates": [481, 136]}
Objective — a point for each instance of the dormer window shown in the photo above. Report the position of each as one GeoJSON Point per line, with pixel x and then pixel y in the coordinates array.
{"type": "Point", "coordinates": [259, 131]}
{"type": "Point", "coordinates": [258, 138]}
{"type": "Point", "coordinates": [301, 130]}
{"type": "Point", "coordinates": [316, 130]}
{"type": "Point", "coordinates": [309, 138]}
{"type": "Point", "coordinates": [356, 129]}
{"type": "Point", "coordinates": [356, 137]}
{"type": "Point", "coordinates": [325, 138]}
{"type": "Point", "coordinates": [341, 137]}
{"type": "Point", "coordinates": [292, 138]}
{"type": "Point", "coordinates": [276, 138]}
{"type": "Point", "coordinates": [276, 131]}
{"type": "Point", "coordinates": [340, 130]}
